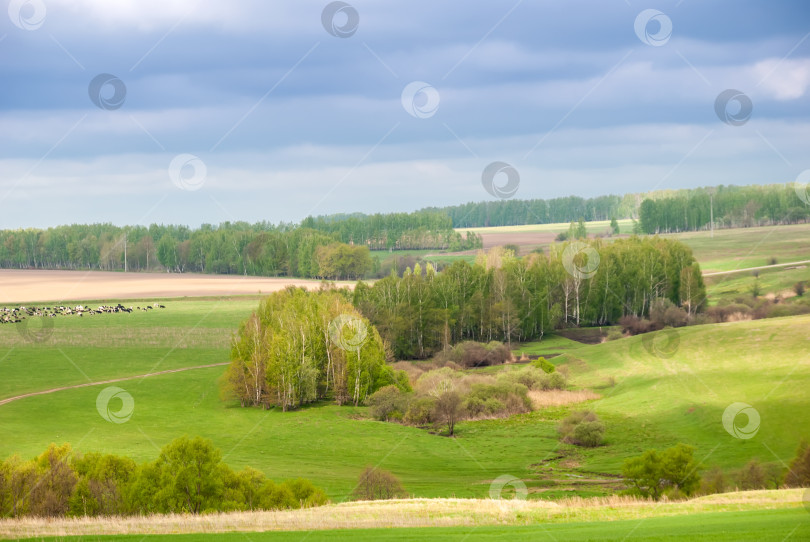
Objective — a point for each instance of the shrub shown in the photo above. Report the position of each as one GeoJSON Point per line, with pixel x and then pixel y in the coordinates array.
{"type": "Point", "coordinates": [799, 470]}
{"type": "Point", "coordinates": [388, 403]}
{"type": "Point", "coordinates": [714, 481]}
{"type": "Point", "coordinates": [557, 381]}
{"type": "Point", "coordinates": [653, 473]}
{"type": "Point", "coordinates": [634, 325]}
{"type": "Point", "coordinates": [420, 411]}
{"type": "Point", "coordinates": [377, 484]}
{"type": "Point", "coordinates": [799, 288]}
{"type": "Point", "coordinates": [589, 434]}
{"type": "Point", "coordinates": [751, 476]}
{"type": "Point", "coordinates": [475, 354]}
{"type": "Point", "coordinates": [305, 493]}
{"type": "Point", "coordinates": [582, 428]}
{"type": "Point", "coordinates": [544, 364]}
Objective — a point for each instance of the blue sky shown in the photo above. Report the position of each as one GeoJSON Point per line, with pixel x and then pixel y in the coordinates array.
{"type": "Point", "coordinates": [275, 118]}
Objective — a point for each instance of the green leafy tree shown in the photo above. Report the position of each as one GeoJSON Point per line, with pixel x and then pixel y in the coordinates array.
{"type": "Point", "coordinates": [654, 473]}
{"type": "Point", "coordinates": [191, 475]}
{"type": "Point", "coordinates": [798, 474]}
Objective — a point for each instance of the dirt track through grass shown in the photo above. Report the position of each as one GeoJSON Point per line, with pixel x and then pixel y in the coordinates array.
{"type": "Point", "coordinates": [111, 381]}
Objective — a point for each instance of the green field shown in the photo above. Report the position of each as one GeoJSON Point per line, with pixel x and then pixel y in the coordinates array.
{"type": "Point", "coordinates": [594, 227]}
{"type": "Point", "coordinates": [740, 248]}
{"type": "Point", "coordinates": [655, 402]}
{"type": "Point", "coordinates": [770, 525]}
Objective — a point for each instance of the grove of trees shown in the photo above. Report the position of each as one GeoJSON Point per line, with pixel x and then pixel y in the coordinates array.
{"type": "Point", "coordinates": [187, 477]}
{"type": "Point", "coordinates": [505, 298]}
{"type": "Point", "coordinates": [300, 347]}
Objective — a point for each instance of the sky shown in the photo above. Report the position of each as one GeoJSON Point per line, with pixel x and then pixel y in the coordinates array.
{"type": "Point", "coordinates": [190, 112]}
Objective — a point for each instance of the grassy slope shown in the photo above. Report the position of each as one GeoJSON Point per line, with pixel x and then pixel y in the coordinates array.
{"type": "Point", "coordinates": [682, 398]}
{"type": "Point", "coordinates": [748, 247]}
{"type": "Point", "coordinates": [88, 349]}
{"type": "Point", "coordinates": [656, 402]}
{"type": "Point", "coordinates": [771, 525]}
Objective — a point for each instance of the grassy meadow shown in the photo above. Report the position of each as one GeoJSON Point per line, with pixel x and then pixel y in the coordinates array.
{"type": "Point", "coordinates": [655, 402]}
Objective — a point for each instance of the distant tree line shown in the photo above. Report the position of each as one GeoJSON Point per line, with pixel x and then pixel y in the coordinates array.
{"type": "Point", "coordinates": [733, 207]}
{"type": "Point", "coordinates": [515, 212]}
{"type": "Point", "coordinates": [187, 477]}
{"type": "Point", "coordinates": [505, 298]}
{"type": "Point", "coordinates": [331, 250]}
{"type": "Point", "coordinates": [426, 229]}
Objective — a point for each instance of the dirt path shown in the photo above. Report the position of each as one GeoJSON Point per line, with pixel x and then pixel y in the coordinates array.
{"type": "Point", "coordinates": [755, 268]}
{"type": "Point", "coordinates": [88, 384]}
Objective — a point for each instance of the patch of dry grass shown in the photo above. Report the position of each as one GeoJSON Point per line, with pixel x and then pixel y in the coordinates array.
{"type": "Point", "coordinates": [404, 513]}
{"type": "Point", "coordinates": [555, 398]}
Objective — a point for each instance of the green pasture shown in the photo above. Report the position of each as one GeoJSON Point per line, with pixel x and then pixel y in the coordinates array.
{"type": "Point", "coordinates": [656, 402]}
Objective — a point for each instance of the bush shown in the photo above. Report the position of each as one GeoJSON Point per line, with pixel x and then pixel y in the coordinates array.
{"type": "Point", "coordinates": [304, 492]}
{"type": "Point", "coordinates": [799, 288]}
{"type": "Point", "coordinates": [714, 481]}
{"type": "Point", "coordinates": [556, 381]}
{"type": "Point", "coordinates": [505, 397]}
{"type": "Point", "coordinates": [582, 428]}
{"type": "Point", "coordinates": [752, 476]}
{"type": "Point", "coordinates": [589, 434]}
{"type": "Point", "coordinates": [654, 473]}
{"type": "Point", "coordinates": [635, 325]}
{"type": "Point", "coordinates": [798, 474]}
{"type": "Point", "coordinates": [474, 354]}
{"type": "Point", "coordinates": [388, 403]}
{"type": "Point", "coordinates": [420, 411]}
{"type": "Point", "coordinates": [544, 364]}
{"type": "Point", "coordinates": [377, 484]}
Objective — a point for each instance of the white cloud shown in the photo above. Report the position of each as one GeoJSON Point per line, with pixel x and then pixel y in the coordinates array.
{"type": "Point", "coordinates": [784, 79]}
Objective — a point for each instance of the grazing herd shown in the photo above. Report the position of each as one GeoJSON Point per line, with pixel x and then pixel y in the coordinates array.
{"type": "Point", "coordinates": [15, 315]}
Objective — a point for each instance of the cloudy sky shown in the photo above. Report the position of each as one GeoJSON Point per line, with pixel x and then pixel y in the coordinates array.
{"type": "Point", "coordinates": [141, 111]}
